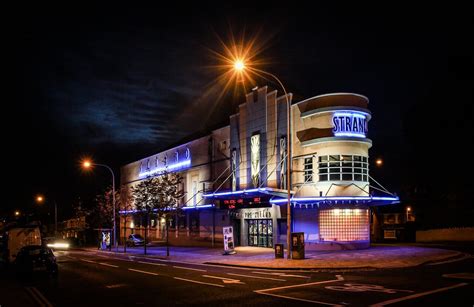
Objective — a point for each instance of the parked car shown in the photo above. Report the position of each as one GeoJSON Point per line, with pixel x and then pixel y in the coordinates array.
{"type": "Point", "coordinates": [135, 240]}
{"type": "Point", "coordinates": [33, 258]}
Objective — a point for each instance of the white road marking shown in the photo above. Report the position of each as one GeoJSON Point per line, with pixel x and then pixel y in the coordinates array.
{"type": "Point", "coordinates": [280, 274]}
{"type": "Point", "coordinates": [299, 299]}
{"type": "Point", "coordinates": [258, 277]}
{"type": "Point", "coordinates": [409, 297]}
{"type": "Point", "coordinates": [339, 278]}
{"type": "Point", "coordinates": [116, 286]}
{"type": "Point", "coordinates": [225, 280]}
{"type": "Point", "coordinates": [90, 261]}
{"type": "Point", "coordinates": [199, 282]}
{"type": "Point", "coordinates": [365, 287]}
{"type": "Point", "coordinates": [185, 268]}
{"type": "Point", "coordinates": [160, 264]}
{"type": "Point", "coordinates": [144, 272]}
{"type": "Point", "coordinates": [110, 265]}
{"type": "Point", "coordinates": [466, 256]}
{"type": "Point", "coordinates": [460, 275]}
{"type": "Point", "coordinates": [38, 297]}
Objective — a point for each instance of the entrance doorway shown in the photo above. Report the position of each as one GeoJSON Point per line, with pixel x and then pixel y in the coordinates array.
{"type": "Point", "coordinates": [260, 233]}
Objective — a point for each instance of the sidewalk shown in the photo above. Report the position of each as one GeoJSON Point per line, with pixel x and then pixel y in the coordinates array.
{"type": "Point", "coordinates": [375, 257]}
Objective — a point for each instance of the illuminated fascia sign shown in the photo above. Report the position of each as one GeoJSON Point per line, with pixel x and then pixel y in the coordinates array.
{"type": "Point", "coordinates": [351, 124]}
{"type": "Point", "coordinates": [337, 198]}
{"type": "Point", "coordinates": [166, 165]}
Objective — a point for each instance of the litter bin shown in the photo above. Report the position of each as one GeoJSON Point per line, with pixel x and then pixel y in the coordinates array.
{"type": "Point", "coordinates": [279, 251]}
{"type": "Point", "coordinates": [297, 245]}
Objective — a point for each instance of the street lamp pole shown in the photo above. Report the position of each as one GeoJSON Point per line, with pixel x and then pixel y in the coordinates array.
{"type": "Point", "coordinates": [88, 164]}
{"type": "Point", "coordinates": [288, 158]}
{"type": "Point", "coordinates": [239, 66]}
{"type": "Point", "coordinates": [113, 199]}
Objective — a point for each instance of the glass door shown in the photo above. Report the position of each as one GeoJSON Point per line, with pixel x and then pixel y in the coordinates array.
{"type": "Point", "coordinates": [260, 233]}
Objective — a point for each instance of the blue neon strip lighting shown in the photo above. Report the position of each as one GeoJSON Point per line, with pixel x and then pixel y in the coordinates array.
{"type": "Point", "coordinates": [235, 192]}
{"type": "Point", "coordinates": [316, 199]}
{"type": "Point", "coordinates": [198, 207]}
{"type": "Point", "coordinates": [352, 114]}
{"type": "Point", "coordinates": [350, 134]}
{"type": "Point", "coordinates": [171, 167]}
{"type": "Point", "coordinates": [155, 210]}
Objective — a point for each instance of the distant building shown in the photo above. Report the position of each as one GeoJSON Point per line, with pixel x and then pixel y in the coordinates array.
{"type": "Point", "coordinates": [236, 175]}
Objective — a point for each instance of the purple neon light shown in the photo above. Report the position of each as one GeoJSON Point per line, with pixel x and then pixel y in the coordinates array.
{"type": "Point", "coordinates": [235, 192]}
{"type": "Point", "coordinates": [297, 199]}
{"type": "Point", "coordinates": [155, 210]}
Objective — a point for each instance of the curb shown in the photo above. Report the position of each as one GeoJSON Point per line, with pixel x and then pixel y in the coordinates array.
{"type": "Point", "coordinates": [362, 268]}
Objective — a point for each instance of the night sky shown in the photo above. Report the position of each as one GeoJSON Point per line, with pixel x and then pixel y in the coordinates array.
{"type": "Point", "coordinates": [121, 84]}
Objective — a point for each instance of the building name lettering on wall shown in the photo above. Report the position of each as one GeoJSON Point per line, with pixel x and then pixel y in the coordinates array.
{"type": "Point", "coordinates": [260, 214]}
{"type": "Point", "coordinates": [352, 124]}
{"type": "Point", "coordinates": [153, 166]}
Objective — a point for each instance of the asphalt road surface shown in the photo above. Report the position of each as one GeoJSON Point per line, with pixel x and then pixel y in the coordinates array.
{"type": "Point", "coordinates": [94, 278]}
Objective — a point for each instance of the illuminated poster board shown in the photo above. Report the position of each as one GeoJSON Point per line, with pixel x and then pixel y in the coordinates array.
{"type": "Point", "coordinates": [228, 240]}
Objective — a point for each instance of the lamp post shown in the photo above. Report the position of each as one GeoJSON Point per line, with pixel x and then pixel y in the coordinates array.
{"type": "Point", "coordinates": [87, 165]}
{"type": "Point", "coordinates": [239, 66]}
{"type": "Point", "coordinates": [39, 200]}
{"type": "Point", "coordinates": [408, 210]}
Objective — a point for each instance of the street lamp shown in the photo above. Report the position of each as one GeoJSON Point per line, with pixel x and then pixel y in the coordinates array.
{"type": "Point", "coordinates": [17, 213]}
{"type": "Point", "coordinates": [39, 200]}
{"type": "Point", "coordinates": [239, 66]}
{"type": "Point", "coordinates": [87, 165]}
{"type": "Point", "coordinates": [408, 210]}
{"type": "Point", "coordinates": [379, 162]}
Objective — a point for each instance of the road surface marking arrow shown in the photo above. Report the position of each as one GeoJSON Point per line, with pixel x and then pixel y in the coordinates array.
{"type": "Point", "coordinates": [225, 280]}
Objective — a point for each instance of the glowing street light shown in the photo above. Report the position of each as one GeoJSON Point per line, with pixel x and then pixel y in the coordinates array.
{"type": "Point", "coordinates": [239, 67]}
{"type": "Point", "coordinates": [17, 213]}
{"type": "Point", "coordinates": [40, 199]}
{"type": "Point", "coordinates": [379, 162]}
{"type": "Point", "coordinates": [87, 164]}
{"type": "Point", "coordinates": [408, 210]}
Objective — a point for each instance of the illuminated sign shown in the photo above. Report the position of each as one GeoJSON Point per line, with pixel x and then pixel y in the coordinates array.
{"type": "Point", "coordinates": [351, 124]}
{"type": "Point", "coordinates": [240, 202]}
{"type": "Point", "coordinates": [166, 165]}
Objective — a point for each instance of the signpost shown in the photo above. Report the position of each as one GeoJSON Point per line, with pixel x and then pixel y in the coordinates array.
{"type": "Point", "coordinates": [228, 240]}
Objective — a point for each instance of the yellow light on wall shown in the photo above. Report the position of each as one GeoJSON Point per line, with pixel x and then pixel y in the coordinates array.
{"type": "Point", "coordinates": [132, 225]}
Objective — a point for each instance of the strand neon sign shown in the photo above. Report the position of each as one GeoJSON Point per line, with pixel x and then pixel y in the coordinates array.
{"type": "Point", "coordinates": [351, 124]}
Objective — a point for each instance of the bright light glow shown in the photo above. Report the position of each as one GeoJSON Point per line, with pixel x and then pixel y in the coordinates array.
{"type": "Point", "coordinates": [350, 124]}
{"type": "Point", "coordinates": [198, 207]}
{"type": "Point", "coordinates": [17, 213]}
{"type": "Point", "coordinates": [364, 199]}
{"type": "Point", "coordinates": [239, 65]}
{"type": "Point", "coordinates": [379, 162]}
{"type": "Point", "coordinates": [353, 225]}
{"type": "Point", "coordinates": [58, 245]}
{"type": "Point", "coordinates": [408, 208]}
{"type": "Point", "coordinates": [87, 164]}
{"type": "Point", "coordinates": [171, 167]}
{"type": "Point", "coordinates": [39, 198]}
{"type": "Point", "coordinates": [235, 192]}
{"type": "Point", "coordinates": [132, 225]}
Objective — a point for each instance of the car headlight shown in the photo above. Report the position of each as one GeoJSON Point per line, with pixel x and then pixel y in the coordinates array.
{"type": "Point", "coordinates": [58, 245]}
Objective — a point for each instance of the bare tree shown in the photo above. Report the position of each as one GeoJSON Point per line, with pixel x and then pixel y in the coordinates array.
{"type": "Point", "coordinates": [126, 206]}
{"type": "Point", "coordinates": [162, 195]}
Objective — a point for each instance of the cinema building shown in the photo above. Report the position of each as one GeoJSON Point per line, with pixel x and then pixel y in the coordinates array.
{"type": "Point", "coordinates": [236, 176]}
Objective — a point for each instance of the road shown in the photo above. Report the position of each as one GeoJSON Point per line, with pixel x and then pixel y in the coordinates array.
{"type": "Point", "coordinates": [94, 278]}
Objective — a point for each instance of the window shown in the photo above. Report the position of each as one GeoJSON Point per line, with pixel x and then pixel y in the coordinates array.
{"type": "Point", "coordinates": [308, 169]}
{"type": "Point", "coordinates": [342, 167]}
{"type": "Point", "coordinates": [344, 224]}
